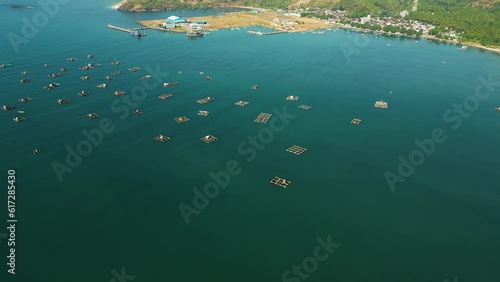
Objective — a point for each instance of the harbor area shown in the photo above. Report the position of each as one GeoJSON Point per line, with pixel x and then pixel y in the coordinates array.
{"type": "Point", "coordinates": [261, 18]}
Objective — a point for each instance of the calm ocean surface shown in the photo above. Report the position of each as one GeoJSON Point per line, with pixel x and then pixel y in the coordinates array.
{"type": "Point", "coordinates": [119, 207]}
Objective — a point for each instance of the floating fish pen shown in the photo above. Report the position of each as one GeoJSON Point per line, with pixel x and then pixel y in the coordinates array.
{"type": "Point", "coordinates": [86, 77]}
{"type": "Point", "coordinates": [205, 100]}
{"type": "Point", "coordinates": [71, 59]}
{"type": "Point", "coordinates": [37, 151]}
{"type": "Point", "coordinates": [356, 121]}
{"type": "Point", "coordinates": [304, 107]}
{"type": "Point", "coordinates": [497, 109]}
{"type": "Point", "coordinates": [181, 119]}
{"type": "Point", "coordinates": [64, 101]}
{"type": "Point", "coordinates": [168, 84]}
{"type": "Point", "coordinates": [19, 119]}
{"type": "Point", "coordinates": [242, 103]}
{"type": "Point", "coordinates": [52, 85]}
{"type": "Point", "coordinates": [203, 113]}
{"type": "Point", "coordinates": [90, 57]}
{"type": "Point", "coordinates": [89, 67]}
{"type": "Point", "coordinates": [209, 139]}
{"type": "Point", "coordinates": [208, 78]}
{"type": "Point", "coordinates": [93, 115]}
{"type": "Point", "coordinates": [137, 112]}
{"type": "Point", "coordinates": [381, 105]}
{"type": "Point", "coordinates": [46, 66]}
{"type": "Point", "coordinates": [263, 118]}
{"type": "Point", "coordinates": [162, 138]}
{"type": "Point", "coordinates": [25, 99]}
{"type": "Point", "coordinates": [146, 77]}
{"type": "Point", "coordinates": [64, 69]}
{"type": "Point", "coordinates": [165, 96]}
{"type": "Point", "coordinates": [103, 85]}
{"type": "Point", "coordinates": [25, 72]}
{"type": "Point", "coordinates": [109, 78]}
{"type": "Point", "coordinates": [55, 75]}
{"type": "Point", "coordinates": [8, 107]}
{"type": "Point", "coordinates": [134, 69]}
{"type": "Point", "coordinates": [117, 63]}
{"type": "Point", "coordinates": [282, 182]}
{"type": "Point", "coordinates": [119, 93]}
{"type": "Point", "coordinates": [25, 80]}
{"type": "Point", "coordinates": [297, 150]}
{"type": "Point", "coordinates": [83, 93]}
{"type": "Point", "coordinates": [292, 98]}
{"type": "Point", "coordinates": [254, 87]}
{"type": "Point", "coordinates": [116, 73]}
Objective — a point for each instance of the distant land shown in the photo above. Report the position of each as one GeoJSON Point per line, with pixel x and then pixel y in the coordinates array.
{"type": "Point", "coordinates": [473, 21]}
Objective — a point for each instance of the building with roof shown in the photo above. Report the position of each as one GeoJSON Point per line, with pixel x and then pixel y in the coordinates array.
{"type": "Point", "coordinates": [176, 20]}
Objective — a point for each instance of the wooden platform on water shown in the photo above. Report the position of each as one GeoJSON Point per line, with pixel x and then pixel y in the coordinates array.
{"type": "Point", "coordinates": [263, 118]}
{"type": "Point", "coordinates": [297, 150]}
{"type": "Point", "coordinates": [282, 182]}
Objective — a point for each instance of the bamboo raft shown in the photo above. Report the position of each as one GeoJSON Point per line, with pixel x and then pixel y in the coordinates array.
{"type": "Point", "coordinates": [292, 98]}
{"type": "Point", "coordinates": [356, 121]}
{"type": "Point", "coordinates": [209, 139]}
{"type": "Point", "coordinates": [203, 113]}
{"type": "Point", "coordinates": [205, 100]}
{"type": "Point", "coordinates": [282, 182]}
{"type": "Point", "coordinates": [165, 96]}
{"type": "Point", "coordinates": [181, 119]}
{"type": "Point", "coordinates": [242, 103]}
{"type": "Point", "coordinates": [297, 150]}
{"type": "Point", "coordinates": [263, 118]}
{"type": "Point", "coordinates": [304, 107]}
{"type": "Point", "coordinates": [381, 105]}
{"type": "Point", "coordinates": [25, 99]}
{"type": "Point", "coordinates": [162, 138]}
{"type": "Point", "coordinates": [8, 107]}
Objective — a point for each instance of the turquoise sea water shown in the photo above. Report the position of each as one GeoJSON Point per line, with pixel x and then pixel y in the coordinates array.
{"type": "Point", "coordinates": [119, 207]}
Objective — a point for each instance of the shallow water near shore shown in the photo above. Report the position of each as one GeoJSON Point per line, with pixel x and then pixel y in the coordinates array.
{"type": "Point", "coordinates": [119, 207]}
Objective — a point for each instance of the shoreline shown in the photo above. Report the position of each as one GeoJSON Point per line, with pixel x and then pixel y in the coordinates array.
{"type": "Point", "coordinates": [117, 5]}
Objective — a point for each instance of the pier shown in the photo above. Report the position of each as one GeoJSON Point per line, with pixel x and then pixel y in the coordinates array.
{"type": "Point", "coordinates": [127, 30]}
{"type": "Point", "coordinates": [266, 33]}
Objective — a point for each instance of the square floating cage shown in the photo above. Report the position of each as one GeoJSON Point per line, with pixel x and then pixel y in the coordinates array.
{"type": "Point", "coordinates": [355, 121]}
{"type": "Point", "coordinates": [205, 100]}
{"type": "Point", "coordinates": [297, 150]}
{"type": "Point", "coordinates": [282, 182]}
{"type": "Point", "coordinates": [162, 138]}
{"type": "Point", "coordinates": [292, 98]}
{"type": "Point", "coordinates": [209, 139]}
{"type": "Point", "coordinates": [242, 103]}
{"type": "Point", "coordinates": [304, 107]}
{"type": "Point", "coordinates": [181, 119]}
{"type": "Point", "coordinates": [263, 118]}
{"type": "Point", "coordinates": [381, 105]}
{"type": "Point", "coordinates": [165, 96]}
{"type": "Point", "coordinates": [203, 113]}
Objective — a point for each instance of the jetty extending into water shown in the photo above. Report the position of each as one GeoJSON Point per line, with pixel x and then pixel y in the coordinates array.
{"type": "Point", "coordinates": [127, 30]}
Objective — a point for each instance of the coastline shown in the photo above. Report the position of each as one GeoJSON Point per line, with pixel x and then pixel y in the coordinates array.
{"type": "Point", "coordinates": [117, 5]}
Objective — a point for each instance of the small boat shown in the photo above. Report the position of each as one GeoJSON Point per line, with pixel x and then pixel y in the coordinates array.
{"type": "Point", "coordinates": [37, 151]}
{"type": "Point", "coordinates": [19, 119]}
{"type": "Point", "coordinates": [146, 77]}
{"type": "Point", "coordinates": [25, 72]}
{"type": "Point", "coordinates": [52, 85]}
{"type": "Point", "coordinates": [103, 85]}
{"type": "Point", "coordinates": [208, 78]}
{"type": "Point", "coordinates": [109, 78]}
{"type": "Point", "coordinates": [138, 112]}
{"type": "Point", "coordinates": [25, 80]}
{"type": "Point", "coordinates": [179, 72]}
{"type": "Point", "coordinates": [64, 69]}
{"type": "Point", "coordinates": [137, 33]}
{"type": "Point", "coordinates": [71, 59]}
{"type": "Point", "coordinates": [194, 33]}
{"type": "Point", "coordinates": [254, 87]}
{"type": "Point", "coordinates": [63, 101]}
{"type": "Point", "coordinates": [8, 107]}
{"type": "Point", "coordinates": [117, 63]}
{"type": "Point", "coordinates": [497, 109]}
{"type": "Point", "coordinates": [134, 69]}
{"type": "Point", "coordinates": [25, 99]}
{"type": "Point", "coordinates": [162, 138]}
{"type": "Point", "coordinates": [55, 75]}
{"type": "Point", "coordinates": [20, 112]}
{"type": "Point", "coordinates": [3, 66]}
{"type": "Point", "coordinates": [463, 47]}
{"type": "Point", "coordinates": [83, 93]}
